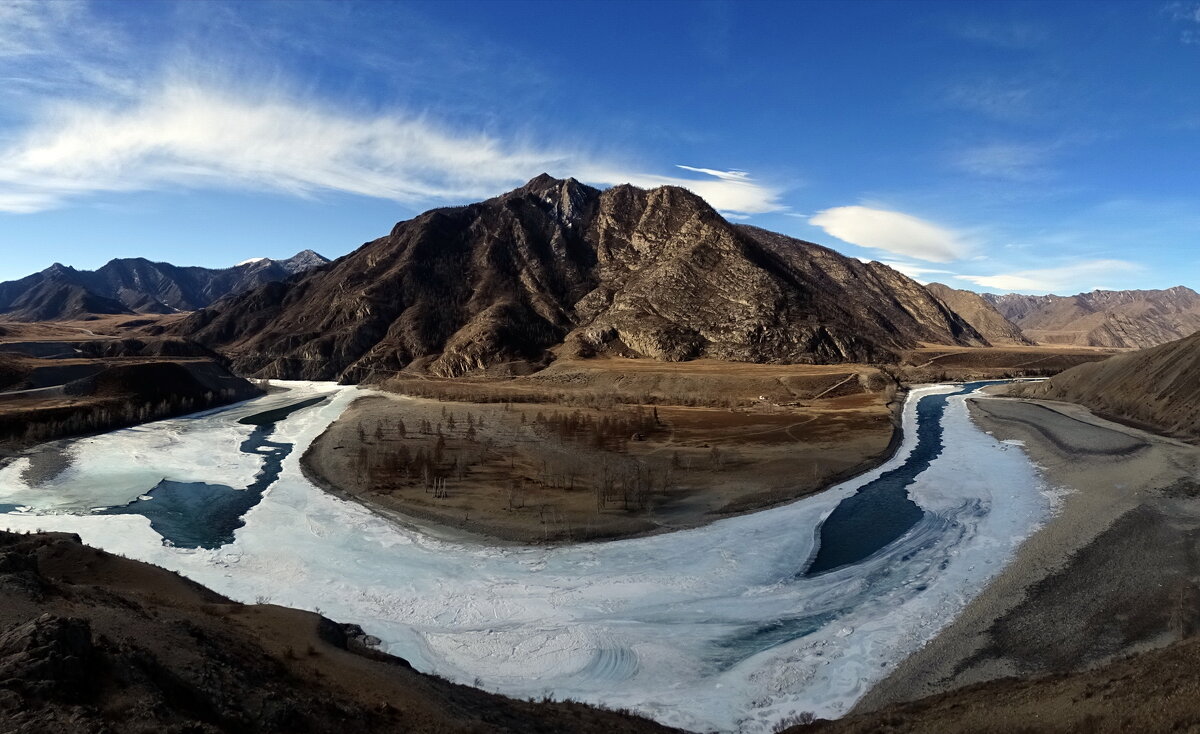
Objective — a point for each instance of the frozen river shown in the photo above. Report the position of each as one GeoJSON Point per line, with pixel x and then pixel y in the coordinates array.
{"type": "Point", "coordinates": [734, 626]}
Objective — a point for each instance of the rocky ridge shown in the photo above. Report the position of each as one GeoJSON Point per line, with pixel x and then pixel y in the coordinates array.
{"type": "Point", "coordinates": [1122, 319]}
{"type": "Point", "coordinates": [559, 268]}
{"type": "Point", "coordinates": [137, 285]}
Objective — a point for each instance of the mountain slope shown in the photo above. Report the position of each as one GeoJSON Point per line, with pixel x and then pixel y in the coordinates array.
{"type": "Point", "coordinates": [1158, 387]}
{"type": "Point", "coordinates": [137, 285]}
{"type": "Point", "coordinates": [91, 643]}
{"type": "Point", "coordinates": [1135, 319]}
{"type": "Point", "coordinates": [979, 313]}
{"type": "Point", "coordinates": [556, 265]}
{"type": "Point", "coordinates": [54, 299]}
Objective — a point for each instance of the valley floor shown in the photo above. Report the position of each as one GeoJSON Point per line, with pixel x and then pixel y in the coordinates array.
{"type": "Point", "coordinates": [609, 448]}
{"type": "Point", "coordinates": [1116, 572]}
{"type": "Point", "coordinates": [567, 463]}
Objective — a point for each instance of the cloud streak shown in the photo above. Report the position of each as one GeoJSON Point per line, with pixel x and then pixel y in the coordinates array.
{"type": "Point", "coordinates": [894, 232]}
{"type": "Point", "coordinates": [1021, 162]}
{"type": "Point", "coordinates": [189, 135]}
{"type": "Point", "coordinates": [86, 118]}
{"type": "Point", "coordinates": [1075, 277]}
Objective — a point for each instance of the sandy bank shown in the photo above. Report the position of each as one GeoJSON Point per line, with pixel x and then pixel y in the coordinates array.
{"type": "Point", "coordinates": [1114, 572]}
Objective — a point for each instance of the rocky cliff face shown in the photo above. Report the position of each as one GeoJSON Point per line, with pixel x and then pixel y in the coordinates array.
{"type": "Point", "coordinates": [559, 267]}
{"type": "Point", "coordinates": [1135, 319]}
{"type": "Point", "coordinates": [980, 314]}
{"type": "Point", "coordinates": [138, 285]}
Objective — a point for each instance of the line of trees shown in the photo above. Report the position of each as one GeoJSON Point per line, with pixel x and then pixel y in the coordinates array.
{"type": "Point", "coordinates": [47, 423]}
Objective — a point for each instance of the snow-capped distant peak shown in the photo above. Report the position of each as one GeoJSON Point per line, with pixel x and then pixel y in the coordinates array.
{"type": "Point", "coordinates": [251, 261]}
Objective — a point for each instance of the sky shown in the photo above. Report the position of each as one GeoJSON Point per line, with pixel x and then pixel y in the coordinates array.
{"type": "Point", "coordinates": [999, 146]}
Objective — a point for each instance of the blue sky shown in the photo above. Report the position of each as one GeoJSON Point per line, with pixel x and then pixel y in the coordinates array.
{"type": "Point", "coordinates": [997, 146]}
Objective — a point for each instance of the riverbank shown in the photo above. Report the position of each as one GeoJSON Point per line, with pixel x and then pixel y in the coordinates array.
{"type": "Point", "coordinates": [1113, 573]}
{"type": "Point", "coordinates": [92, 642]}
{"type": "Point", "coordinates": [542, 473]}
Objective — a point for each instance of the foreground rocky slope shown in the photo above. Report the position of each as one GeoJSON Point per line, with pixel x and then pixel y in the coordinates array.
{"type": "Point", "coordinates": [980, 314]}
{"type": "Point", "coordinates": [137, 285]}
{"type": "Point", "coordinates": [92, 643]}
{"type": "Point", "coordinates": [556, 265]}
{"type": "Point", "coordinates": [1128, 319]}
{"type": "Point", "coordinates": [1158, 387]}
{"type": "Point", "coordinates": [1151, 692]}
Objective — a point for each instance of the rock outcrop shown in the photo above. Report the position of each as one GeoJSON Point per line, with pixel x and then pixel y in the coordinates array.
{"type": "Point", "coordinates": [557, 267]}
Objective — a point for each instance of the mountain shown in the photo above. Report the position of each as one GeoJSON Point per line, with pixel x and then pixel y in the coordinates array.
{"type": "Point", "coordinates": [980, 314]}
{"type": "Point", "coordinates": [1157, 387]}
{"type": "Point", "coordinates": [559, 268]}
{"type": "Point", "coordinates": [54, 299]}
{"type": "Point", "coordinates": [137, 285]}
{"type": "Point", "coordinates": [1135, 319]}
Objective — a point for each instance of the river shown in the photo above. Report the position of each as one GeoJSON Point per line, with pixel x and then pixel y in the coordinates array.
{"type": "Point", "coordinates": [734, 626]}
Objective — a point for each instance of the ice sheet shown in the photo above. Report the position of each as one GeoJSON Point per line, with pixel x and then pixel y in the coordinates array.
{"type": "Point", "coordinates": [705, 629]}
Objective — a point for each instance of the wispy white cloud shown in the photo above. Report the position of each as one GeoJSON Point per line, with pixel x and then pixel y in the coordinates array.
{"type": "Point", "coordinates": [186, 135]}
{"type": "Point", "coordinates": [1014, 34]}
{"type": "Point", "coordinates": [994, 98]}
{"type": "Point", "coordinates": [92, 124]}
{"type": "Point", "coordinates": [919, 273]}
{"type": "Point", "coordinates": [1008, 161]}
{"type": "Point", "coordinates": [49, 47]}
{"type": "Point", "coordinates": [723, 175]}
{"type": "Point", "coordinates": [894, 232]}
{"type": "Point", "coordinates": [1187, 14]}
{"type": "Point", "coordinates": [1072, 278]}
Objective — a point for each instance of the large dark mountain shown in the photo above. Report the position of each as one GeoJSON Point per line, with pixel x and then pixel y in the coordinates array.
{"type": "Point", "coordinates": [1136, 319]}
{"type": "Point", "coordinates": [137, 285]}
{"type": "Point", "coordinates": [557, 267]}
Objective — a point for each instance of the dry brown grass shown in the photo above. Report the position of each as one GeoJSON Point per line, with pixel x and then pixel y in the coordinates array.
{"type": "Point", "coordinates": [523, 476]}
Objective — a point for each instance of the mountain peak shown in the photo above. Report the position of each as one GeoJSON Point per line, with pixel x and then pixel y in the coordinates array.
{"type": "Point", "coordinates": [58, 269]}
{"type": "Point", "coordinates": [541, 182]}
{"type": "Point", "coordinates": [303, 260]}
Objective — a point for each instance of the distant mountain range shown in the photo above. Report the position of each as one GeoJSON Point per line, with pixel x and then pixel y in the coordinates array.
{"type": "Point", "coordinates": [557, 268]}
{"type": "Point", "coordinates": [138, 286]}
{"type": "Point", "coordinates": [1133, 319]}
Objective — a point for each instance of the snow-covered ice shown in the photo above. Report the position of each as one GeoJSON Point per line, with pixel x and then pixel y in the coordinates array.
{"type": "Point", "coordinates": [711, 628]}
